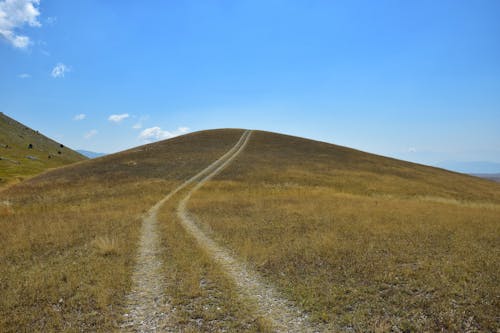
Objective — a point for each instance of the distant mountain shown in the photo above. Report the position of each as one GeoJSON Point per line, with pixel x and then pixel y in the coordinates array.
{"type": "Point", "coordinates": [90, 154]}
{"type": "Point", "coordinates": [25, 152]}
{"type": "Point", "coordinates": [477, 167]}
{"type": "Point", "coordinates": [491, 176]}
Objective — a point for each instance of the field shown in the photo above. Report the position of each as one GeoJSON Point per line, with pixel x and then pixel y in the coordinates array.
{"type": "Point", "coordinates": [68, 237]}
{"type": "Point", "coordinates": [359, 242]}
{"type": "Point", "coordinates": [363, 241]}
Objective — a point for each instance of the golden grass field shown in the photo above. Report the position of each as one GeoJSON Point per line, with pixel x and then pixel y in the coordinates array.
{"type": "Point", "coordinates": [359, 241]}
{"type": "Point", "coordinates": [365, 242]}
{"type": "Point", "coordinates": [68, 237]}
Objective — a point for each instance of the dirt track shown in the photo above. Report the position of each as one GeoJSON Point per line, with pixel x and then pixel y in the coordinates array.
{"type": "Point", "coordinates": [147, 308]}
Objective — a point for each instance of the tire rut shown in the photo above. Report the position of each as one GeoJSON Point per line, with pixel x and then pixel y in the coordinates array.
{"type": "Point", "coordinates": [148, 309]}
{"type": "Point", "coordinates": [283, 314]}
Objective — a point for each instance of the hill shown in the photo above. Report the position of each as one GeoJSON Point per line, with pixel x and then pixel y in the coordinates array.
{"type": "Point", "coordinates": [347, 240]}
{"type": "Point", "coordinates": [25, 152]}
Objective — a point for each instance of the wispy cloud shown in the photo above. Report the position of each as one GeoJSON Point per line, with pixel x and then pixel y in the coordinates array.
{"type": "Point", "coordinates": [117, 118]}
{"type": "Point", "coordinates": [24, 76]}
{"type": "Point", "coordinates": [59, 70]}
{"type": "Point", "coordinates": [90, 134]}
{"type": "Point", "coordinates": [156, 133]}
{"type": "Point", "coordinates": [14, 14]}
{"type": "Point", "coordinates": [80, 116]}
{"type": "Point", "coordinates": [51, 20]}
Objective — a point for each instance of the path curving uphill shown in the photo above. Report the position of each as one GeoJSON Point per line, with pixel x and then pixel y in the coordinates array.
{"type": "Point", "coordinates": [283, 314]}
{"type": "Point", "coordinates": [147, 307]}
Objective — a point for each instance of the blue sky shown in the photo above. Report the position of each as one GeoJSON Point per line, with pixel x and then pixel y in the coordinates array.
{"type": "Point", "coordinates": [418, 80]}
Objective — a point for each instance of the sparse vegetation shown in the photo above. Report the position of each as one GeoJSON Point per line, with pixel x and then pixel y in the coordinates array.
{"type": "Point", "coordinates": [365, 242]}
{"type": "Point", "coordinates": [52, 275]}
{"type": "Point", "coordinates": [359, 241]}
{"type": "Point", "coordinates": [202, 296]}
{"type": "Point", "coordinates": [105, 245]}
{"type": "Point", "coordinates": [6, 208]}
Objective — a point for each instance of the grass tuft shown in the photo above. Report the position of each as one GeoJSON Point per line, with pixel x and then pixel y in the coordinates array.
{"type": "Point", "coordinates": [106, 246]}
{"type": "Point", "coordinates": [6, 208]}
{"type": "Point", "coordinates": [263, 325]}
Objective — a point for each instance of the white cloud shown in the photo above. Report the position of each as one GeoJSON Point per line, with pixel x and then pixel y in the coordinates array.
{"type": "Point", "coordinates": [59, 70]}
{"type": "Point", "coordinates": [15, 14]}
{"type": "Point", "coordinates": [183, 130]}
{"type": "Point", "coordinates": [156, 133]}
{"type": "Point", "coordinates": [80, 116]}
{"type": "Point", "coordinates": [90, 134]}
{"type": "Point", "coordinates": [116, 118]}
{"type": "Point", "coordinates": [137, 125]}
{"type": "Point", "coordinates": [24, 76]}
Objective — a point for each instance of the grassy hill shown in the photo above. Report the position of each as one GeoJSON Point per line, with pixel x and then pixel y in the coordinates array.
{"type": "Point", "coordinates": [363, 241]}
{"type": "Point", "coordinates": [25, 152]}
{"type": "Point", "coordinates": [358, 241]}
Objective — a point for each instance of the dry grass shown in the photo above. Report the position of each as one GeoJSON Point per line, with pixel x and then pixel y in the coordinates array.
{"type": "Point", "coordinates": [6, 208]}
{"type": "Point", "coordinates": [53, 278]}
{"type": "Point", "coordinates": [376, 246]}
{"type": "Point", "coordinates": [368, 243]}
{"type": "Point", "coordinates": [203, 298]}
{"type": "Point", "coordinates": [106, 246]}
{"type": "Point", "coordinates": [68, 239]}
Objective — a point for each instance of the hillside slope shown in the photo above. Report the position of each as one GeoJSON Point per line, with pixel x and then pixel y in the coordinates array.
{"type": "Point", "coordinates": [25, 152]}
{"type": "Point", "coordinates": [359, 241]}
{"type": "Point", "coordinates": [68, 239]}
{"type": "Point", "coordinates": [363, 242]}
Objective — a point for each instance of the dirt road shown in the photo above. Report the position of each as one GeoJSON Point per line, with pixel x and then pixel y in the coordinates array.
{"type": "Point", "coordinates": [147, 308]}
